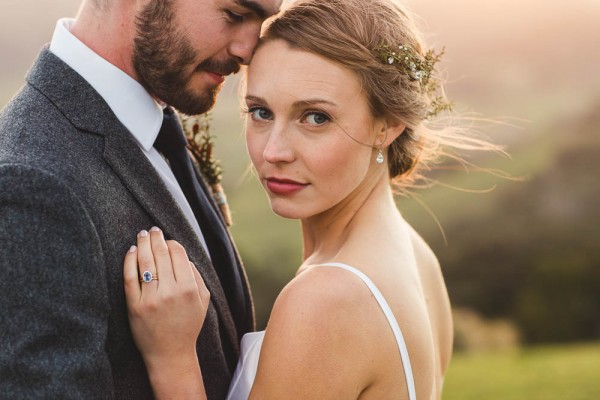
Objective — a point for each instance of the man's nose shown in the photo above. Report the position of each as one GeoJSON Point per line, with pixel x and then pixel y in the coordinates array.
{"type": "Point", "coordinates": [243, 46]}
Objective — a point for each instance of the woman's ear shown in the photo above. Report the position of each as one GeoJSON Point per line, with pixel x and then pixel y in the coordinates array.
{"type": "Point", "coordinates": [389, 130]}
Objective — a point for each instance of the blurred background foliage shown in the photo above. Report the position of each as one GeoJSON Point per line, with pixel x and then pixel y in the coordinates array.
{"type": "Point", "coordinates": [521, 261]}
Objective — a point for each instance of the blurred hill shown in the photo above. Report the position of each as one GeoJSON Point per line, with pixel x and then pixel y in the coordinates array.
{"type": "Point", "coordinates": [527, 251]}
{"type": "Point", "coordinates": [532, 255]}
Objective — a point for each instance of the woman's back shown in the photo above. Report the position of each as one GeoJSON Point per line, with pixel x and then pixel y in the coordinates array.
{"type": "Point", "coordinates": [437, 304]}
{"type": "Point", "coordinates": [407, 273]}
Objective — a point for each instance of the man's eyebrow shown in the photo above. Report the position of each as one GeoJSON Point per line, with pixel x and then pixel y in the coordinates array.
{"type": "Point", "coordinates": [256, 8]}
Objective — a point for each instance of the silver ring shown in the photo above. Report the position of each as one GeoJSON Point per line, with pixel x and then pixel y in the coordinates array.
{"type": "Point", "coordinates": [147, 277]}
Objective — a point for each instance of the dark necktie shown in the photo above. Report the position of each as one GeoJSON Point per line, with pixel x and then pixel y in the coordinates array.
{"type": "Point", "coordinates": [171, 142]}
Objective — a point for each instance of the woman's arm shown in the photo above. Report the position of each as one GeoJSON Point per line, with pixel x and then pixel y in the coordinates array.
{"type": "Point", "coordinates": [166, 314]}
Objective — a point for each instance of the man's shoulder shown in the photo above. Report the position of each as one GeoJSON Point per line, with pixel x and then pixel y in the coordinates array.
{"type": "Point", "coordinates": [55, 98]}
{"type": "Point", "coordinates": [32, 131]}
{"type": "Point", "coordinates": [28, 110]}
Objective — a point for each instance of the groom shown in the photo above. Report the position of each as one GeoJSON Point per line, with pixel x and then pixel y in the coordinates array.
{"type": "Point", "coordinates": [80, 177]}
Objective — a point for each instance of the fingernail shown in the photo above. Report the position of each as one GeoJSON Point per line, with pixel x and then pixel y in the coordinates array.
{"type": "Point", "coordinates": [155, 229]}
{"type": "Point", "coordinates": [143, 233]}
{"type": "Point", "coordinates": [132, 249]}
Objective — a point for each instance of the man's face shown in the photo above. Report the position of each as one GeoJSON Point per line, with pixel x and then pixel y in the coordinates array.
{"type": "Point", "coordinates": [183, 49]}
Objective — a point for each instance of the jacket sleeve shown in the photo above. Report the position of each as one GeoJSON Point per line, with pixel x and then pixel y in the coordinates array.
{"type": "Point", "coordinates": [53, 291]}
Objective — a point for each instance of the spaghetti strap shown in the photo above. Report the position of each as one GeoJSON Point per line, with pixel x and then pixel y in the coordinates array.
{"type": "Point", "coordinates": [391, 320]}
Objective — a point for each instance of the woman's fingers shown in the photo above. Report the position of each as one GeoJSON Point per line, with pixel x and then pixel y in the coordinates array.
{"type": "Point", "coordinates": [165, 318]}
{"type": "Point", "coordinates": [131, 276]}
{"type": "Point", "coordinates": [202, 289]}
{"type": "Point", "coordinates": [162, 258]}
{"type": "Point", "coordinates": [145, 259]}
{"type": "Point", "coordinates": [180, 262]}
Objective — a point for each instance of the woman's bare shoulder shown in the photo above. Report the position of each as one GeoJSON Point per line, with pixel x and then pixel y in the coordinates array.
{"type": "Point", "coordinates": [331, 298]}
{"type": "Point", "coordinates": [316, 319]}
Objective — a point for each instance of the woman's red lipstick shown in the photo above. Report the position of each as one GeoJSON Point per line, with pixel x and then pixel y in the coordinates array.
{"type": "Point", "coordinates": [284, 186]}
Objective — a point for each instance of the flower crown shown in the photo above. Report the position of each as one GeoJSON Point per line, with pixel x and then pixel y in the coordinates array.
{"type": "Point", "coordinates": [418, 68]}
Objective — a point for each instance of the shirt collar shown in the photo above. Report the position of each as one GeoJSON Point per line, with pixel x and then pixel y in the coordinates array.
{"type": "Point", "coordinates": [130, 102]}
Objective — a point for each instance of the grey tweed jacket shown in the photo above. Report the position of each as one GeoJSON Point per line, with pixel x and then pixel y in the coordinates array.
{"type": "Point", "coordinates": [74, 191]}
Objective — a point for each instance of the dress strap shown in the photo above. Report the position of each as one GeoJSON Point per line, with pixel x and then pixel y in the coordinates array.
{"type": "Point", "coordinates": [391, 320]}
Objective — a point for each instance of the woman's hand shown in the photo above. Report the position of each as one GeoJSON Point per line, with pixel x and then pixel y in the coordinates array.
{"type": "Point", "coordinates": [166, 312]}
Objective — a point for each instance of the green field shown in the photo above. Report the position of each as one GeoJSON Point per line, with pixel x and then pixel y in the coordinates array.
{"type": "Point", "coordinates": [570, 372]}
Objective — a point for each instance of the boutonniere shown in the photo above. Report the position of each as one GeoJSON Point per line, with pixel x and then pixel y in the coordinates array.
{"type": "Point", "coordinates": [201, 146]}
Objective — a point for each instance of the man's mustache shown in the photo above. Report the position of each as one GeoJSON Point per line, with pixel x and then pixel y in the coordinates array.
{"type": "Point", "coordinates": [220, 67]}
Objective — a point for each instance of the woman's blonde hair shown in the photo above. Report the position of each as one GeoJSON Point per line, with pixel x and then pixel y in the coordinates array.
{"type": "Point", "coordinates": [349, 32]}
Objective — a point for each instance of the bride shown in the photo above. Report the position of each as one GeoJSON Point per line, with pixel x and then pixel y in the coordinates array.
{"type": "Point", "coordinates": [338, 100]}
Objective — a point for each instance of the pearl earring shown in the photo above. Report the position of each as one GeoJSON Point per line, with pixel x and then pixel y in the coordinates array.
{"type": "Point", "coordinates": [379, 159]}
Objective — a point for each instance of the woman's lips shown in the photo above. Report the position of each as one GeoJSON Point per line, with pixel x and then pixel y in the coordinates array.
{"type": "Point", "coordinates": [284, 186]}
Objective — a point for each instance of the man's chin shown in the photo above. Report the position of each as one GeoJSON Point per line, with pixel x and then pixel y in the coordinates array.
{"type": "Point", "coordinates": [194, 105]}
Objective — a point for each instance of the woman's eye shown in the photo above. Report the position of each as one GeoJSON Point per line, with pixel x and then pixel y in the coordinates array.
{"type": "Point", "coordinates": [316, 118]}
{"type": "Point", "coordinates": [260, 114]}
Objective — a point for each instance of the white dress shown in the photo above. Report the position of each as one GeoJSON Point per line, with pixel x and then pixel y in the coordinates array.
{"type": "Point", "coordinates": [245, 372]}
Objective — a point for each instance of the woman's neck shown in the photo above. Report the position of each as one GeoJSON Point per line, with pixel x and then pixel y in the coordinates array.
{"type": "Point", "coordinates": [325, 234]}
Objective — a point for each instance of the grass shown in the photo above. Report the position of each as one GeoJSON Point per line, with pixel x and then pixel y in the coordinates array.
{"type": "Point", "coordinates": [570, 372]}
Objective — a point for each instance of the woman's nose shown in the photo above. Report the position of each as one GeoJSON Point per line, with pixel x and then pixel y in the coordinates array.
{"type": "Point", "coordinates": [279, 149]}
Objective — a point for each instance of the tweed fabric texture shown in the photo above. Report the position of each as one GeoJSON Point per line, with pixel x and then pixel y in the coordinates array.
{"type": "Point", "coordinates": [74, 191]}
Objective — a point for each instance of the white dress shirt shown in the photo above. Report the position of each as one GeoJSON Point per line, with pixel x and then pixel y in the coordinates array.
{"type": "Point", "coordinates": [129, 101]}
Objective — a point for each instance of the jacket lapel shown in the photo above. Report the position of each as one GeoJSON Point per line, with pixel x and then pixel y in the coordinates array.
{"type": "Point", "coordinates": [87, 111]}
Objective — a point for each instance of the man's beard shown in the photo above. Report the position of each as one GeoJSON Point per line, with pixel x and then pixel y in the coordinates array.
{"type": "Point", "coordinates": [164, 61]}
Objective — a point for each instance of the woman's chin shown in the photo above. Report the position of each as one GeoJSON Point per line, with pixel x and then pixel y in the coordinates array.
{"type": "Point", "coordinates": [285, 211]}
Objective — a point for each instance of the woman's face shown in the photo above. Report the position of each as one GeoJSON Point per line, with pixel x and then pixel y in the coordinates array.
{"type": "Point", "coordinates": [309, 131]}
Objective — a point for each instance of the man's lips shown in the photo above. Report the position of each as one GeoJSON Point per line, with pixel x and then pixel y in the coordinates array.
{"type": "Point", "coordinates": [218, 70]}
{"type": "Point", "coordinates": [215, 76]}
{"type": "Point", "coordinates": [283, 186]}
